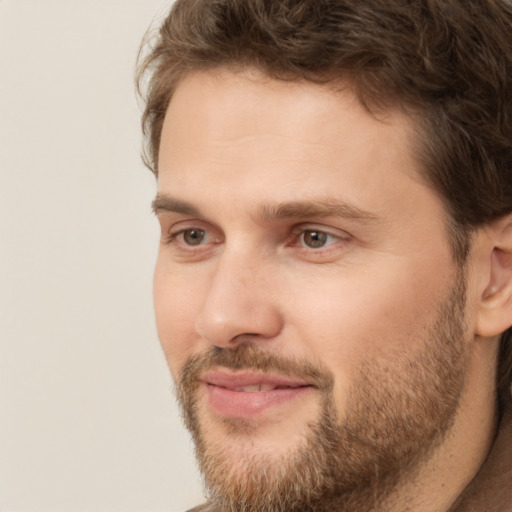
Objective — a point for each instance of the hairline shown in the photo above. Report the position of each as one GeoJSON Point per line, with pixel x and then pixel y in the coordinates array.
{"type": "Point", "coordinates": [459, 236]}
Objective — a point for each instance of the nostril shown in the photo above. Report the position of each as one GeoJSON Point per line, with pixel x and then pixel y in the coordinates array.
{"type": "Point", "coordinates": [232, 314]}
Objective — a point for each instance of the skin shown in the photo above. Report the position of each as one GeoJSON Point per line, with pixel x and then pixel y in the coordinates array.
{"type": "Point", "coordinates": [234, 145]}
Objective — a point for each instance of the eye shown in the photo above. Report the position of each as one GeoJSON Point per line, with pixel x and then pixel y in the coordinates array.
{"type": "Point", "coordinates": [191, 239]}
{"type": "Point", "coordinates": [311, 242]}
{"type": "Point", "coordinates": [316, 239]}
{"type": "Point", "coordinates": [193, 236]}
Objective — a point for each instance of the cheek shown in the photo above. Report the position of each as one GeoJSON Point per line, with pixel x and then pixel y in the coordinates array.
{"type": "Point", "coordinates": [176, 302]}
{"type": "Point", "coordinates": [378, 317]}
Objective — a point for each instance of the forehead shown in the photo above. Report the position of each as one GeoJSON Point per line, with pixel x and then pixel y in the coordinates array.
{"type": "Point", "coordinates": [248, 103]}
{"type": "Point", "coordinates": [274, 140]}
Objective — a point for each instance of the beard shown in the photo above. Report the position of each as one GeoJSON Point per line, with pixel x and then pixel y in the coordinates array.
{"type": "Point", "coordinates": [398, 411]}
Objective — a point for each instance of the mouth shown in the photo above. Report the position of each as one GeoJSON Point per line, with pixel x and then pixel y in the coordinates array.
{"type": "Point", "coordinates": [247, 395]}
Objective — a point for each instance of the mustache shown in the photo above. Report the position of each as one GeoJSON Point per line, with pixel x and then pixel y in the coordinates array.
{"type": "Point", "coordinates": [250, 357]}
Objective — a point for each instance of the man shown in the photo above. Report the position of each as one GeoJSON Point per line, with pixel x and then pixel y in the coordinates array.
{"type": "Point", "coordinates": [333, 289]}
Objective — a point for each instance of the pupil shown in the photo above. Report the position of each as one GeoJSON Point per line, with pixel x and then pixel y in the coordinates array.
{"type": "Point", "coordinates": [193, 236]}
{"type": "Point", "coordinates": [315, 239]}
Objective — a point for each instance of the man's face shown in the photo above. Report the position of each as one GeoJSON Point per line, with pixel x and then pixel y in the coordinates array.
{"type": "Point", "coordinates": [306, 296]}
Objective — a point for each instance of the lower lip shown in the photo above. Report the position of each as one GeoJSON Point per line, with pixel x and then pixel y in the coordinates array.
{"type": "Point", "coordinates": [246, 405]}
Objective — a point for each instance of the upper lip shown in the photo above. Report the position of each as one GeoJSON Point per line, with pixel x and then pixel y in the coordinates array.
{"type": "Point", "coordinates": [234, 381]}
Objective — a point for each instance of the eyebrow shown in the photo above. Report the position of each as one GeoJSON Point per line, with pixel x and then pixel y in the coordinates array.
{"type": "Point", "coordinates": [316, 208]}
{"type": "Point", "coordinates": [165, 203]}
{"type": "Point", "coordinates": [277, 211]}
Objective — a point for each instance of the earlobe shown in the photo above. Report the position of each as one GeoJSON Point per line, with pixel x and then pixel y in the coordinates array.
{"type": "Point", "coordinates": [495, 312]}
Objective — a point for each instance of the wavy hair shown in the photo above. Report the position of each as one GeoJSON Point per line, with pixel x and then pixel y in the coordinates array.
{"type": "Point", "coordinates": [446, 62]}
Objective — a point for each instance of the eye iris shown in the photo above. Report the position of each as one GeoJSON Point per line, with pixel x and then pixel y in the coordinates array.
{"type": "Point", "coordinates": [193, 236]}
{"type": "Point", "coordinates": [315, 239]}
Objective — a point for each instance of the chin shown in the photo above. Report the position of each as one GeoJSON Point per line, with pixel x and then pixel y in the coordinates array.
{"type": "Point", "coordinates": [268, 436]}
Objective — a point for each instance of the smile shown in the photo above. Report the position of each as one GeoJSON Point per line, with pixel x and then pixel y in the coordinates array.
{"type": "Point", "coordinates": [262, 387]}
{"type": "Point", "coordinates": [247, 395]}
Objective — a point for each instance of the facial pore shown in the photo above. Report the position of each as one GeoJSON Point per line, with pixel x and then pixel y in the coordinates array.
{"type": "Point", "coordinates": [398, 412]}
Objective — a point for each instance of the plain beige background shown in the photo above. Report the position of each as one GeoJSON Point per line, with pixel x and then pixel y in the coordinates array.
{"type": "Point", "coordinates": [87, 416]}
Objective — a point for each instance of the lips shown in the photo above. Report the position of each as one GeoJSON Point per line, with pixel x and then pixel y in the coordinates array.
{"type": "Point", "coordinates": [246, 395]}
{"type": "Point", "coordinates": [260, 387]}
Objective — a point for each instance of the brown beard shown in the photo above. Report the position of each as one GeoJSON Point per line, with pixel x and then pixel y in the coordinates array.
{"type": "Point", "coordinates": [397, 414]}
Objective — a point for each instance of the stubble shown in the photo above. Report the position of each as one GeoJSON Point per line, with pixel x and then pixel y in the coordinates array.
{"type": "Point", "coordinates": [396, 415]}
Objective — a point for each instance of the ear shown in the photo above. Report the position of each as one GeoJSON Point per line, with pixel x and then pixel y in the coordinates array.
{"type": "Point", "coordinates": [495, 308]}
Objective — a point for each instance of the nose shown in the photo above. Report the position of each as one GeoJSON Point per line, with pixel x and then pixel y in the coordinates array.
{"type": "Point", "coordinates": [240, 304]}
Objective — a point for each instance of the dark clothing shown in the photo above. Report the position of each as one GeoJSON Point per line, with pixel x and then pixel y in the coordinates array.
{"type": "Point", "coordinates": [491, 489]}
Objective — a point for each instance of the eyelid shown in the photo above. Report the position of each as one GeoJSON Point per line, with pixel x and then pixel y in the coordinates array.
{"type": "Point", "coordinates": [339, 243]}
{"type": "Point", "coordinates": [334, 232]}
{"type": "Point", "coordinates": [175, 234]}
{"type": "Point", "coordinates": [172, 233]}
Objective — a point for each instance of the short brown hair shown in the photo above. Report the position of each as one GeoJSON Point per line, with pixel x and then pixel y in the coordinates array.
{"type": "Point", "coordinates": [448, 62]}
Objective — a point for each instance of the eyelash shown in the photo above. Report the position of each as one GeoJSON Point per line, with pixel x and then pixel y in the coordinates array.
{"type": "Point", "coordinates": [301, 233]}
{"type": "Point", "coordinates": [298, 234]}
{"type": "Point", "coordinates": [172, 238]}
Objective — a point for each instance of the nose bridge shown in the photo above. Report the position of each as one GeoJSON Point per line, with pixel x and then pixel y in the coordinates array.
{"type": "Point", "coordinates": [238, 300]}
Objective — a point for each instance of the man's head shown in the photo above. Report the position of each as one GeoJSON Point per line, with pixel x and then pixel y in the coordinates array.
{"type": "Point", "coordinates": [334, 184]}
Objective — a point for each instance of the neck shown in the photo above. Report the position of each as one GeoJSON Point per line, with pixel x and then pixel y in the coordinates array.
{"type": "Point", "coordinates": [435, 484]}
{"type": "Point", "coordinates": [440, 480]}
